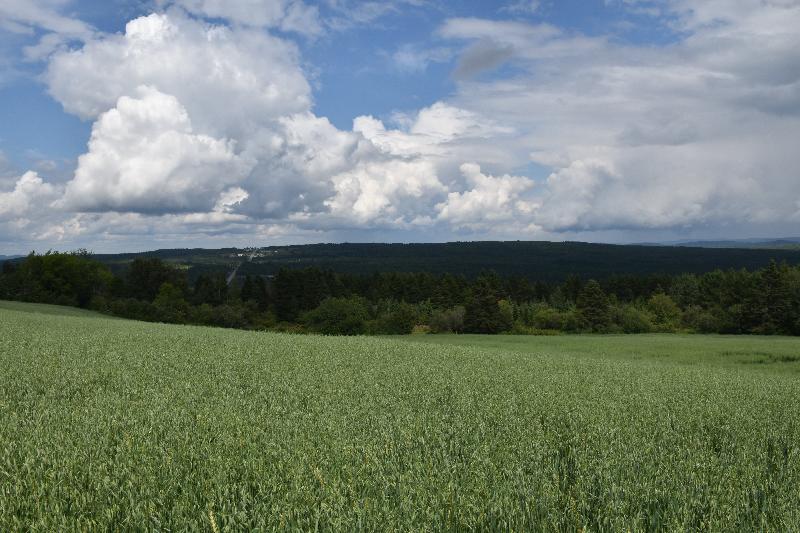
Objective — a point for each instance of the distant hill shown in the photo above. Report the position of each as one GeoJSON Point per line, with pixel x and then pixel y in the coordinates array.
{"type": "Point", "coordinates": [7, 257]}
{"type": "Point", "coordinates": [546, 261]}
{"type": "Point", "coordinates": [768, 244]}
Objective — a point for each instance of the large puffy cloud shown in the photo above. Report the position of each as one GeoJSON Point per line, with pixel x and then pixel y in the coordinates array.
{"type": "Point", "coordinates": [385, 191]}
{"type": "Point", "coordinates": [29, 196]}
{"type": "Point", "coordinates": [186, 111]}
{"type": "Point", "coordinates": [220, 104]}
{"type": "Point", "coordinates": [229, 80]}
{"type": "Point", "coordinates": [144, 156]}
{"type": "Point", "coordinates": [490, 200]}
{"type": "Point", "coordinates": [27, 211]}
{"type": "Point", "coordinates": [295, 162]}
{"type": "Point", "coordinates": [402, 174]}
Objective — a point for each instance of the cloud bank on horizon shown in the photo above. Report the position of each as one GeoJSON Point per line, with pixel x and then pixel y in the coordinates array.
{"type": "Point", "coordinates": [205, 128]}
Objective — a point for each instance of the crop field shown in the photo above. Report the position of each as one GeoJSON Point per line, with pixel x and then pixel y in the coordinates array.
{"type": "Point", "coordinates": [118, 425]}
{"type": "Point", "coordinates": [752, 353]}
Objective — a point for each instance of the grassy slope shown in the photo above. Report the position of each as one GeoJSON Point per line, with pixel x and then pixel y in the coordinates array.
{"type": "Point", "coordinates": [45, 309]}
{"type": "Point", "coordinates": [744, 353]}
{"type": "Point", "coordinates": [110, 424]}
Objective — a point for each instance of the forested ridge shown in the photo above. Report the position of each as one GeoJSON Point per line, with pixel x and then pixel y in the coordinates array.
{"type": "Point", "coordinates": [313, 299]}
{"type": "Point", "coordinates": [535, 260]}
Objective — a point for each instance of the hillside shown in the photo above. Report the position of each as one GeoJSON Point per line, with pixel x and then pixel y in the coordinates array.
{"type": "Point", "coordinates": [119, 425]}
{"type": "Point", "coordinates": [766, 244]}
{"type": "Point", "coordinates": [545, 261]}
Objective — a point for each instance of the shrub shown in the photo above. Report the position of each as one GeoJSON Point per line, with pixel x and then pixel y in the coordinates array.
{"type": "Point", "coordinates": [448, 321]}
{"type": "Point", "coordinates": [506, 314]}
{"type": "Point", "coordinates": [202, 314]}
{"type": "Point", "coordinates": [573, 320]}
{"type": "Point", "coordinates": [400, 320]}
{"type": "Point", "coordinates": [666, 313]}
{"type": "Point", "coordinates": [99, 303]}
{"type": "Point", "coordinates": [700, 320]}
{"type": "Point", "coordinates": [338, 316]}
{"type": "Point", "coordinates": [288, 327]}
{"type": "Point", "coordinates": [132, 308]}
{"type": "Point", "coordinates": [228, 316]}
{"type": "Point", "coordinates": [546, 317]}
{"type": "Point", "coordinates": [631, 319]}
{"type": "Point", "coordinates": [170, 305]}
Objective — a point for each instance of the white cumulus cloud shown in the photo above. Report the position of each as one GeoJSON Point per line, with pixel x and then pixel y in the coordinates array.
{"type": "Point", "coordinates": [693, 134]}
{"type": "Point", "coordinates": [30, 195]}
{"type": "Point", "coordinates": [385, 191]}
{"type": "Point", "coordinates": [27, 210]}
{"type": "Point", "coordinates": [144, 156]}
{"type": "Point", "coordinates": [489, 200]}
{"type": "Point", "coordinates": [204, 122]}
{"type": "Point", "coordinates": [228, 79]}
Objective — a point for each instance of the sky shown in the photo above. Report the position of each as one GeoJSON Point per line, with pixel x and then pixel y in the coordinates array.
{"type": "Point", "coordinates": [129, 125]}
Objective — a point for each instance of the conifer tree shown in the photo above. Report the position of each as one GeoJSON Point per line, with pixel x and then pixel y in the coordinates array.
{"type": "Point", "coordinates": [776, 299]}
{"type": "Point", "coordinates": [594, 307]}
{"type": "Point", "coordinates": [483, 314]}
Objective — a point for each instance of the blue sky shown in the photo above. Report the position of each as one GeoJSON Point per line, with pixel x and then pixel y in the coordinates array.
{"type": "Point", "coordinates": [35, 123]}
{"type": "Point", "coordinates": [267, 121]}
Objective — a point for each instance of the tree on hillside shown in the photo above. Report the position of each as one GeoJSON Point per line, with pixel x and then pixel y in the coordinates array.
{"type": "Point", "coordinates": [254, 289]}
{"type": "Point", "coordinates": [210, 289]}
{"type": "Point", "coordinates": [572, 287]}
{"type": "Point", "coordinates": [146, 276]}
{"type": "Point", "coordinates": [297, 291]}
{"type": "Point", "coordinates": [777, 299]}
{"type": "Point", "coordinates": [666, 313]}
{"type": "Point", "coordinates": [58, 278]}
{"type": "Point", "coordinates": [482, 313]}
{"type": "Point", "coordinates": [449, 291]}
{"type": "Point", "coordinates": [594, 307]}
{"type": "Point", "coordinates": [685, 290]}
{"type": "Point", "coordinates": [398, 319]}
{"type": "Point", "coordinates": [170, 304]}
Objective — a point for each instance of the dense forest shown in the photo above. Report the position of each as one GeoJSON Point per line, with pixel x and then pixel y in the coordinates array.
{"type": "Point", "coordinates": [534, 260]}
{"type": "Point", "coordinates": [760, 301]}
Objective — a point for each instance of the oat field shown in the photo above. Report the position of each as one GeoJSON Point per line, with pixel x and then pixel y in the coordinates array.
{"type": "Point", "coordinates": [118, 425]}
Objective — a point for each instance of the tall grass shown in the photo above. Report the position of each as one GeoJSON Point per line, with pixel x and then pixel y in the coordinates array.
{"type": "Point", "coordinates": [117, 425]}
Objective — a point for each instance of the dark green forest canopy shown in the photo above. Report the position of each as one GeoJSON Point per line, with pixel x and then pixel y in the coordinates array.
{"type": "Point", "coordinates": [760, 301]}
{"type": "Point", "coordinates": [537, 261]}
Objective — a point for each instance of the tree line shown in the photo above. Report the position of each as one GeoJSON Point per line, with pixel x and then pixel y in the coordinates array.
{"type": "Point", "coordinates": [763, 301]}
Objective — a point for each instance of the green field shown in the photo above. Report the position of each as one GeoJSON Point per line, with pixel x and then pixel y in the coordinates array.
{"type": "Point", "coordinates": [747, 353]}
{"type": "Point", "coordinates": [117, 425]}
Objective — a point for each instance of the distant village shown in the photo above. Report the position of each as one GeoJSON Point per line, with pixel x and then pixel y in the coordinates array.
{"type": "Point", "coordinates": [252, 253]}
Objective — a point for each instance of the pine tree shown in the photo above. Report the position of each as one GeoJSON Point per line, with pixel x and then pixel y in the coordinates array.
{"type": "Point", "coordinates": [483, 314]}
{"type": "Point", "coordinates": [248, 291]}
{"type": "Point", "coordinates": [260, 293]}
{"type": "Point", "coordinates": [776, 299]}
{"type": "Point", "coordinates": [594, 307]}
